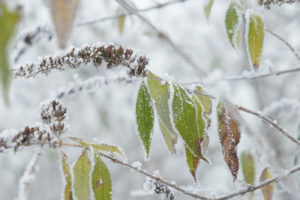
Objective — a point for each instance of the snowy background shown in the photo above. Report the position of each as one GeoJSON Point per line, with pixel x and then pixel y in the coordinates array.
{"type": "Point", "coordinates": [108, 113]}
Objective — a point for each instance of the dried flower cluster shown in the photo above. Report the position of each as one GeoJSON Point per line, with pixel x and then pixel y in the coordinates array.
{"type": "Point", "coordinates": [158, 188]}
{"type": "Point", "coordinates": [47, 131]}
{"type": "Point", "coordinates": [113, 56]}
{"type": "Point", "coordinates": [267, 3]}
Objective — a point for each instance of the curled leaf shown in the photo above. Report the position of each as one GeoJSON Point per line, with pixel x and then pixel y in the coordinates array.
{"type": "Point", "coordinates": [248, 167]}
{"type": "Point", "coordinates": [267, 190]}
{"type": "Point", "coordinates": [255, 37]}
{"type": "Point", "coordinates": [68, 178]}
{"type": "Point", "coordinates": [229, 137]}
{"type": "Point", "coordinates": [63, 13]}
{"type": "Point", "coordinates": [101, 180]}
{"type": "Point", "coordinates": [160, 93]}
{"type": "Point", "coordinates": [81, 172]}
{"type": "Point", "coordinates": [233, 25]}
{"type": "Point", "coordinates": [8, 24]}
{"type": "Point", "coordinates": [144, 116]}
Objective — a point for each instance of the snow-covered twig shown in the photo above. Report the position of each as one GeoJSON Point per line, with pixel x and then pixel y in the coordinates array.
{"type": "Point", "coordinates": [28, 177]}
{"type": "Point", "coordinates": [92, 83]}
{"type": "Point", "coordinates": [112, 55]}
{"type": "Point", "coordinates": [164, 37]}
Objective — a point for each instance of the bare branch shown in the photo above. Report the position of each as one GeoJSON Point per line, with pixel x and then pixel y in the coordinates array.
{"type": "Point", "coordinates": [262, 75]}
{"type": "Point", "coordinates": [155, 7]}
{"type": "Point", "coordinates": [164, 37]}
{"type": "Point", "coordinates": [260, 185]}
{"type": "Point", "coordinates": [285, 42]}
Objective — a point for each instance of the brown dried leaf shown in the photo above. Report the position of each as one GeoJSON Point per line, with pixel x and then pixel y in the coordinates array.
{"type": "Point", "coordinates": [267, 190]}
{"type": "Point", "coordinates": [229, 133]}
{"type": "Point", "coordinates": [63, 14]}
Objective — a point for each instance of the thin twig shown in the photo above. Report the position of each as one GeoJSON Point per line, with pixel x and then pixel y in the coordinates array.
{"type": "Point", "coordinates": [260, 185]}
{"type": "Point", "coordinates": [195, 195]}
{"type": "Point", "coordinates": [285, 42]}
{"type": "Point", "coordinates": [263, 75]}
{"type": "Point", "coordinates": [157, 6]}
{"type": "Point", "coordinates": [28, 177]}
{"type": "Point", "coordinates": [163, 36]}
{"type": "Point", "coordinates": [270, 121]}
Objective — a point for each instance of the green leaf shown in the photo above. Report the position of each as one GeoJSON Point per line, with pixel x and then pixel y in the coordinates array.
{"type": "Point", "coordinates": [192, 161]}
{"type": "Point", "coordinates": [8, 23]}
{"type": "Point", "coordinates": [201, 126]}
{"type": "Point", "coordinates": [207, 8]}
{"type": "Point", "coordinates": [144, 116]}
{"type": "Point", "coordinates": [255, 37]}
{"type": "Point", "coordinates": [233, 25]}
{"type": "Point", "coordinates": [81, 172]}
{"type": "Point", "coordinates": [68, 178]}
{"type": "Point", "coordinates": [101, 180]}
{"type": "Point", "coordinates": [100, 147]}
{"type": "Point", "coordinates": [184, 118]}
{"type": "Point", "coordinates": [267, 190]}
{"type": "Point", "coordinates": [121, 23]}
{"type": "Point", "coordinates": [248, 167]}
{"type": "Point", "coordinates": [206, 104]}
{"type": "Point", "coordinates": [160, 93]}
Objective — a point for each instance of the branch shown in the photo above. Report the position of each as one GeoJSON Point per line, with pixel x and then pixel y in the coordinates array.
{"type": "Point", "coordinates": [92, 83]}
{"type": "Point", "coordinates": [285, 42]}
{"type": "Point", "coordinates": [195, 195]}
{"type": "Point", "coordinates": [157, 6]}
{"type": "Point", "coordinates": [260, 185]}
{"type": "Point", "coordinates": [262, 75]}
{"type": "Point", "coordinates": [163, 36]}
{"type": "Point", "coordinates": [271, 122]}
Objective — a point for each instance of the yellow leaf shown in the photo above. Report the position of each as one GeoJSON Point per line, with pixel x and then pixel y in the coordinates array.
{"type": "Point", "coordinates": [63, 14]}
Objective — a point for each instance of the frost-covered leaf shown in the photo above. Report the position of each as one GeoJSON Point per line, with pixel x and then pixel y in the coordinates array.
{"type": "Point", "coordinates": [192, 161]}
{"type": "Point", "coordinates": [267, 190]}
{"type": "Point", "coordinates": [63, 13]}
{"type": "Point", "coordinates": [206, 104]}
{"type": "Point", "coordinates": [229, 137]}
{"type": "Point", "coordinates": [68, 178]}
{"type": "Point", "coordinates": [207, 8]}
{"type": "Point", "coordinates": [121, 23]}
{"type": "Point", "coordinates": [101, 147]}
{"type": "Point", "coordinates": [233, 25]}
{"type": "Point", "coordinates": [201, 126]}
{"type": "Point", "coordinates": [255, 37]}
{"type": "Point", "coordinates": [184, 118]}
{"type": "Point", "coordinates": [248, 167]}
{"type": "Point", "coordinates": [8, 24]}
{"type": "Point", "coordinates": [81, 170]}
{"type": "Point", "coordinates": [101, 180]}
{"type": "Point", "coordinates": [160, 93]}
{"type": "Point", "coordinates": [144, 116]}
